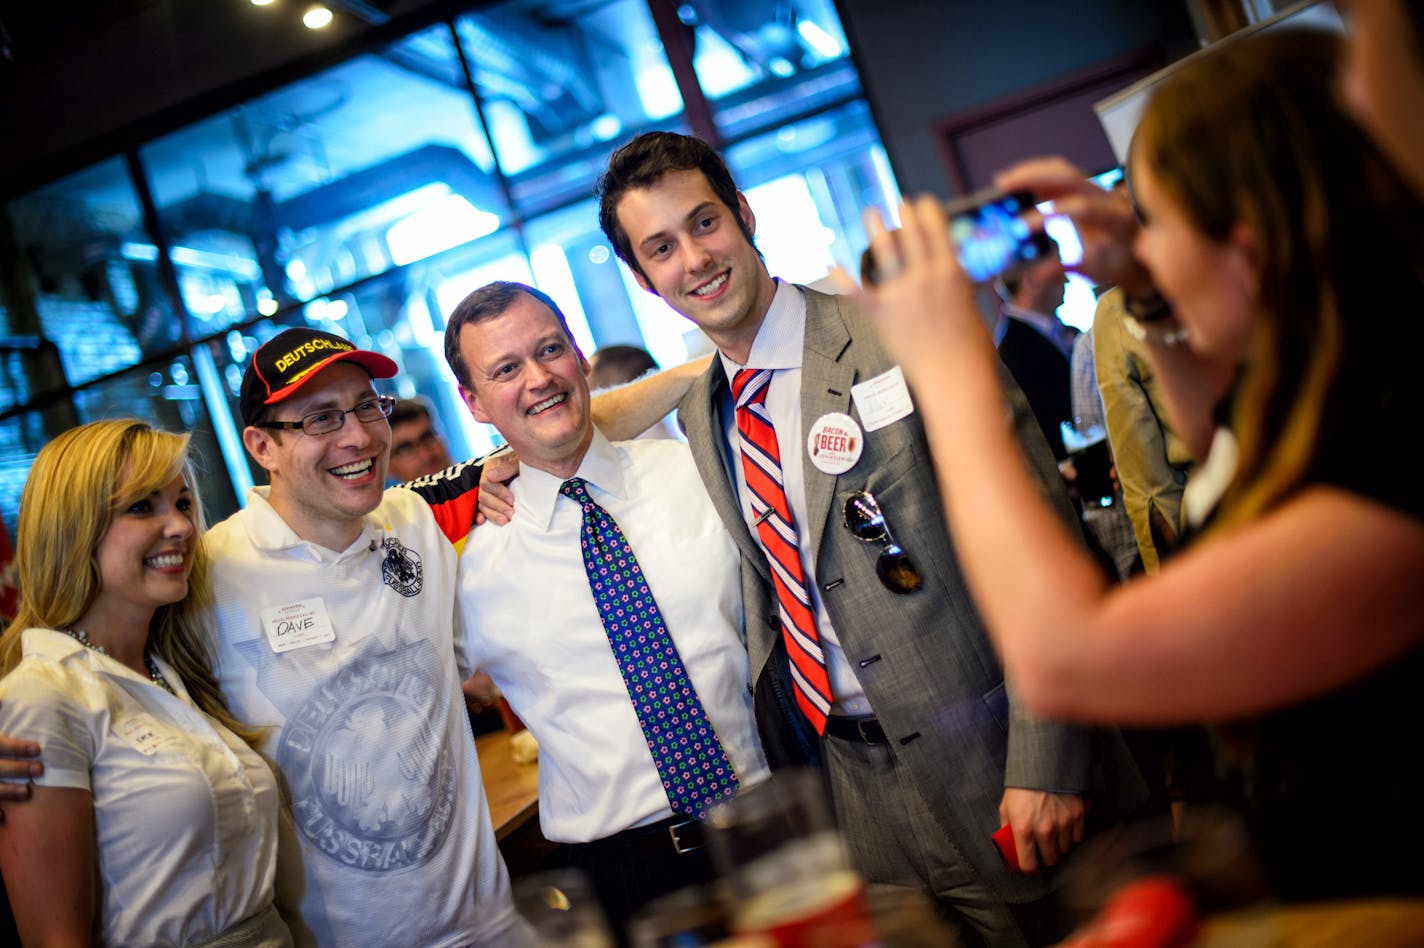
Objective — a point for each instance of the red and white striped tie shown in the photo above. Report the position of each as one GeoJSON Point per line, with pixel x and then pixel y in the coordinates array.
{"type": "Point", "coordinates": [776, 529]}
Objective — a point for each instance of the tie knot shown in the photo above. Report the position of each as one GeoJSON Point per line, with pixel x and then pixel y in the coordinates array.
{"type": "Point", "coordinates": [576, 489]}
{"type": "Point", "coordinates": [749, 386]}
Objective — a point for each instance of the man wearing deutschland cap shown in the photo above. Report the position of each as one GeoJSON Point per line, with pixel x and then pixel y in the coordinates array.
{"type": "Point", "coordinates": [335, 613]}
{"type": "Point", "coordinates": [334, 601]}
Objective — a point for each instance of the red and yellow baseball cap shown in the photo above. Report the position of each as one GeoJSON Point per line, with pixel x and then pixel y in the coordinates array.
{"type": "Point", "coordinates": [290, 359]}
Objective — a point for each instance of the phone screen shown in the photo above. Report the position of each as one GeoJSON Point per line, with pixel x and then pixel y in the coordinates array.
{"type": "Point", "coordinates": [990, 234]}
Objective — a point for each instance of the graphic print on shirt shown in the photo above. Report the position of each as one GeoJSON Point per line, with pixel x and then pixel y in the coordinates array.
{"type": "Point", "coordinates": [373, 786]}
{"type": "Point", "coordinates": [401, 569]}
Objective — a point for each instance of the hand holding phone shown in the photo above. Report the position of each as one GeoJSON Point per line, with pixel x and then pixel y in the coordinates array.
{"type": "Point", "coordinates": [992, 237]}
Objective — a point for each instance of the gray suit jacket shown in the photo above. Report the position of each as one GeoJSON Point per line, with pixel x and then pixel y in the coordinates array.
{"type": "Point", "coordinates": [924, 659]}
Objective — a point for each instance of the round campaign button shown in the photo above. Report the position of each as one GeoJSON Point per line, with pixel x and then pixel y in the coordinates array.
{"type": "Point", "coordinates": [835, 443]}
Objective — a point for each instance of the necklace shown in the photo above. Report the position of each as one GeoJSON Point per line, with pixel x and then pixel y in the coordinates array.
{"type": "Point", "coordinates": [82, 637]}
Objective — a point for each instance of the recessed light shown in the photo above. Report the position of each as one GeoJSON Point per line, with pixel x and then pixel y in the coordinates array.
{"type": "Point", "coordinates": [316, 17]}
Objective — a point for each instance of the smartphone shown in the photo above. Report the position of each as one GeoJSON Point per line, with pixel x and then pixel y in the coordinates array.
{"type": "Point", "coordinates": [991, 234]}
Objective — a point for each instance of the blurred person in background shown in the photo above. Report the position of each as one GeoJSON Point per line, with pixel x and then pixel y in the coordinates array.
{"type": "Point", "coordinates": [611, 366]}
{"type": "Point", "coordinates": [155, 820]}
{"type": "Point", "coordinates": [417, 447]}
{"type": "Point", "coordinates": [1153, 464]}
{"type": "Point", "coordinates": [618, 365]}
{"type": "Point", "coordinates": [1276, 260]}
{"type": "Point", "coordinates": [1035, 345]}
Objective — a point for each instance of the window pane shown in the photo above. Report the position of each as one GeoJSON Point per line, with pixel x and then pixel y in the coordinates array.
{"type": "Point", "coordinates": [563, 85]}
{"type": "Point", "coordinates": [167, 395]}
{"type": "Point", "coordinates": [760, 64]}
{"type": "Point", "coordinates": [21, 437]}
{"type": "Point", "coordinates": [97, 294]}
{"type": "Point", "coordinates": [370, 165]}
{"type": "Point", "coordinates": [808, 184]}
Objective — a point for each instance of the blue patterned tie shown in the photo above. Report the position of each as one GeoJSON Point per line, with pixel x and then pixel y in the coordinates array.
{"type": "Point", "coordinates": [690, 760]}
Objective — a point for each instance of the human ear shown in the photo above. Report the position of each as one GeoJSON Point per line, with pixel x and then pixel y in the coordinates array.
{"type": "Point", "coordinates": [745, 210]}
{"type": "Point", "coordinates": [472, 402]}
{"type": "Point", "coordinates": [261, 444]}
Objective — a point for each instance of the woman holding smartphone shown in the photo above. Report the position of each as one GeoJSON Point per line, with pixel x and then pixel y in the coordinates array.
{"type": "Point", "coordinates": [155, 821]}
{"type": "Point", "coordinates": [1276, 242]}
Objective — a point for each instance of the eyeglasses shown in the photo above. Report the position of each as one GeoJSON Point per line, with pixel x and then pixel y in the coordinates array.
{"type": "Point", "coordinates": [331, 419]}
{"type": "Point", "coordinates": [866, 522]}
{"type": "Point", "coordinates": [408, 445]}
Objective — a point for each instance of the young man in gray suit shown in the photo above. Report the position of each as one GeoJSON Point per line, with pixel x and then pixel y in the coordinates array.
{"type": "Point", "coordinates": [868, 656]}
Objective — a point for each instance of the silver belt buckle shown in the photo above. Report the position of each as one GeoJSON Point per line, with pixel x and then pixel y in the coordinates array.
{"type": "Point", "coordinates": [678, 845]}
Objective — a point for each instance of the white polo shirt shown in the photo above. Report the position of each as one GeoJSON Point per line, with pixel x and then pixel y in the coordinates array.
{"type": "Point", "coordinates": [185, 813]}
{"type": "Point", "coordinates": [370, 733]}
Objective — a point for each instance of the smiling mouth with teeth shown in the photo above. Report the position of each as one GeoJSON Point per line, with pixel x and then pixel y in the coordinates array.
{"type": "Point", "coordinates": [164, 560]}
{"type": "Point", "coordinates": [547, 403]}
{"type": "Point", "coordinates": [353, 470]}
{"type": "Point", "coordinates": [716, 284]}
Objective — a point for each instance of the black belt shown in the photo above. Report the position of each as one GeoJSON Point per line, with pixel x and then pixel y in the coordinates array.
{"type": "Point", "coordinates": [856, 730]}
{"type": "Point", "coordinates": [676, 834]}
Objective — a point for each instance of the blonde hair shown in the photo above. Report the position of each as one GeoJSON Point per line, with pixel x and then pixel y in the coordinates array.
{"type": "Point", "coordinates": [1252, 134]}
{"type": "Point", "coordinates": [77, 483]}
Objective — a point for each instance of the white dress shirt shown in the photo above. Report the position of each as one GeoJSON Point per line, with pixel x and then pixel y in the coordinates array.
{"type": "Point", "coordinates": [185, 813]}
{"type": "Point", "coordinates": [369, 729]}
{"type": "Point", "coordinates": [531, 623]}
{"type": "Point", "coordinates": [778, 346]}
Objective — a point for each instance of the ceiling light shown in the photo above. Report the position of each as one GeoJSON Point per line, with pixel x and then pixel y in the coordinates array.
{"type": "Point", "coordinates": [262, 3]}
{"type": "Point", "coordinates": [316, 17]}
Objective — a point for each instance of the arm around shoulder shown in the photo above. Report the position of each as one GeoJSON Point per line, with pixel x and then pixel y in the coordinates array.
{"type": "Point", "coordinates": [626, 412]}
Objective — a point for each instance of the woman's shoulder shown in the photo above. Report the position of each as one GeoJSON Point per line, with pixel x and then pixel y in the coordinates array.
{"type": "Point", "coordinates": [52, 669]}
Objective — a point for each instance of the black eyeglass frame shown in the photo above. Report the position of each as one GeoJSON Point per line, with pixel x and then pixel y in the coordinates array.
{"type": "Point", "coordinates": [866, 521]}
{"type": "Point", "coordinates": [384, 405]}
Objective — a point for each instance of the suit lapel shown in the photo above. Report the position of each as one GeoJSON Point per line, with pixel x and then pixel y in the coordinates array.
{"type": "Point", "coordinates": [705, 427]}
{"type": "Point", "coordinates": [825, 388]}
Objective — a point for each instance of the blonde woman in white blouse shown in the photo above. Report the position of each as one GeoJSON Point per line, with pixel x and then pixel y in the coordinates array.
{"type": "Point", "coordinates": [154, 822]}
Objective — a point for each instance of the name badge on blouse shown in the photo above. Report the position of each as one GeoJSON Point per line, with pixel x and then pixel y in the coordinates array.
{"type": "Point", "coordinates": [297, 625]}
{"type": "Point", "coordinates": [882, 400]}
{"type": "Point", "coordinates": [143, 734]}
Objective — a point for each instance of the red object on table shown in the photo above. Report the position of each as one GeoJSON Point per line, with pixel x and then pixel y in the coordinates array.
{"type": "Point", "coordinates": [1153, 912]}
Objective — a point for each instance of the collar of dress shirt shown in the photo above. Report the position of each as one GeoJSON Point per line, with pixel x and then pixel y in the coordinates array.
{"type": "Point", "coordinates": [537, 491]}
{"type": "Point", "coordinates": [271, 534]}
{"type": "Point", "coordinates": [1047, 326]}
{"type": "Point", "coordinates": [778, 342]}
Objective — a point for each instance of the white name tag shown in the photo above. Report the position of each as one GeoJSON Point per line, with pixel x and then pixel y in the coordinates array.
{"type": "Point", "coordinates": [297, 625]}
{"type": "Point", "coordinates": [143, 734]}
{"type": "Point", "coordinates": [882, 400]}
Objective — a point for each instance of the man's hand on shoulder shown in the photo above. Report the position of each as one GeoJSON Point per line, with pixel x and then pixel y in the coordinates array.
{"type": "Point", "coordinates": [496, 502]}
{"type": "Point", "coordinates": [19, 762]}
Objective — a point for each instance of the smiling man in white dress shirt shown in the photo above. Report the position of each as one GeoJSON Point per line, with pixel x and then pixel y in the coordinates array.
{"type": "Point", "coordinates": [531, 621]}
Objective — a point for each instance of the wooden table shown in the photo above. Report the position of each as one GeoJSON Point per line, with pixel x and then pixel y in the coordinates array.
{"type": "Point", "coordinates": [1378, 923]}
{"type": "Point", "coordinates": [512, 788]}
